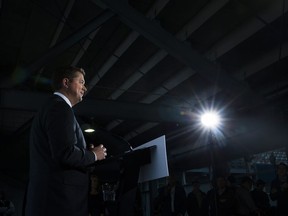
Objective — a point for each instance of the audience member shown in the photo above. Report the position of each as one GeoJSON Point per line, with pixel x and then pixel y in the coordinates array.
{"type": "Point", "coordinates": [279, 190]}
{"type": "Point", "coordinates": [171, 200]}
{"type": "Point", "coordinates": [245, 202]}
{"type": "Point", "coordinates": [261, 198]}
{"type": "Point", "coordinates": [231, 182]}
{"type": "Point", "coordinates": [220, 200]}
{"type": "Point", "coordinates": [195, 200]}
{"type": "Point", "coordinates": [95, 199]}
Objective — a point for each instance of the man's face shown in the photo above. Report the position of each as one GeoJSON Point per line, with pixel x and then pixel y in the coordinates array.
{"type": "Point", "coordinates": [76, 88]}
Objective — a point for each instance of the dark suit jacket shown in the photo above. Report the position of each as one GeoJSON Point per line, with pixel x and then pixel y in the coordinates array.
{"type": "Point", "coordinates": [58, 180]}
{"type": "Point", "coordinates": [164, 201]}
{"type": "Point", "coordinates": [193, 207]}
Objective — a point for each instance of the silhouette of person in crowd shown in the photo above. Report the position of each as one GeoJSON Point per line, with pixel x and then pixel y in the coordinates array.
{"type": "Point", "coordinates": [220, 200]}
{"type": "Point", "coordinates": [279, 190]}
{"type": "Point", "coordinates": [195, 200]}
{"type": "Point", "coordinates": [261, 198]}
{"type": "Point", "coordinates": [95, 200]}
{"type": "Point", "coordinates": [171, 200]}
{"type": "Point", "coordinates": [245, 202]}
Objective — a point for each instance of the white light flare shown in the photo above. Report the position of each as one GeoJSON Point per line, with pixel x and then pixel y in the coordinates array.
{"type": "Point", "coordinates": [210, 120]}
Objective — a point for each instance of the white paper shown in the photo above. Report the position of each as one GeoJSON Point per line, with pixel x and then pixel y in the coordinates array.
{"type": "Point", "coordinates": [158, 168]}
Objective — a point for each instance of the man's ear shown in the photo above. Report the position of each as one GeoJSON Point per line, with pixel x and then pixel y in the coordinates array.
{"type": "Point", "coordinates": [65, 82]}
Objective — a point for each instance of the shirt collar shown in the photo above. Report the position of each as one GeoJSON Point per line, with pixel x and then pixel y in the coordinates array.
{"type": "Point", "coordinates": [64, 98]}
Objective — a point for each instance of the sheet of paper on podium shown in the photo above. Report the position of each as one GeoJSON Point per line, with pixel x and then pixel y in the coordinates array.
{"type": "Point", "coordinates": [158, 168]}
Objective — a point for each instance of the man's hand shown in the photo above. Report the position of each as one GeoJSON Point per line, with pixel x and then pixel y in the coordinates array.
{"type": "Point", "coordinates": [100, 151]}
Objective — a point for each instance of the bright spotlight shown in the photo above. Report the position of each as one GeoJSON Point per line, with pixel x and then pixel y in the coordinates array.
{"type": "Point", "coordinates": [210, 120]}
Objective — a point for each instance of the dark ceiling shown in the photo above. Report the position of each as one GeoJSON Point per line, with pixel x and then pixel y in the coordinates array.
{"type": "Point", "coordinates": [151, 67]}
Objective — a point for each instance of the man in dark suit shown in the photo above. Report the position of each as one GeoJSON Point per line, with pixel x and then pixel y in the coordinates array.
{"type": "Point", "coordinates": [171, 200]}
{"type": "Point", "coordinates": [59, 159]}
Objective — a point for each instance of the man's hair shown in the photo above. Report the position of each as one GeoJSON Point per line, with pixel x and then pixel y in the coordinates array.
{"type": "Point", "coordinates": [283, 164]}
{"type": "Point", "coordinates": [64, 72]}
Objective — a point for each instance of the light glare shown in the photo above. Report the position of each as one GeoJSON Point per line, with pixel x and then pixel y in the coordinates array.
{"type": "Point", "coordinates": [89, 130]}
{"type": "Point", "coordinates": [210, 120]}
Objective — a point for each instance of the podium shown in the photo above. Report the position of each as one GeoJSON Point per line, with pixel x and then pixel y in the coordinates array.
{"type": "Point", "coordinates": [123, 171]}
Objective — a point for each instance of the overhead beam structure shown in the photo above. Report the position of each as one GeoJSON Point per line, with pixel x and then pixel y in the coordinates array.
{"type": "Point", "coordinates": [62, 46]}
{"type": "Point", "coordinates": [181, 50]}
